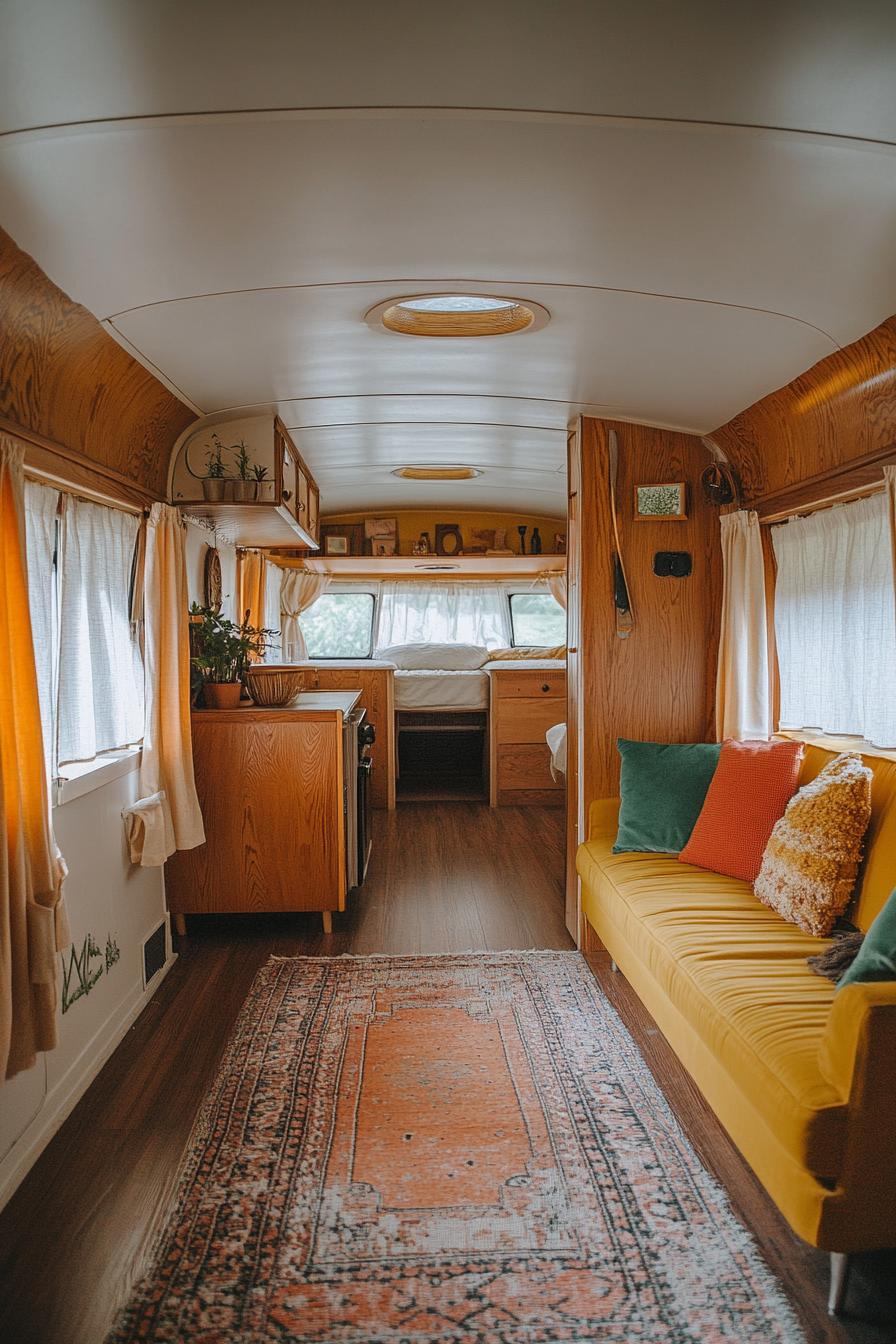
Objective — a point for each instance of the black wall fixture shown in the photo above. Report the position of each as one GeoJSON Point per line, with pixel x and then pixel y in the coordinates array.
{"type": "Point", "coordinates": [672, 564]}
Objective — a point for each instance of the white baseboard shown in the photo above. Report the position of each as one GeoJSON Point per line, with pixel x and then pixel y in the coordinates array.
{"type": "Point", "coordinates": [62, 1100]}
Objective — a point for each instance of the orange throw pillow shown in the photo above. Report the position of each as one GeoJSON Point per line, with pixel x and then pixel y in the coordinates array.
{"type": "Point", "coordinates": [752, 785]}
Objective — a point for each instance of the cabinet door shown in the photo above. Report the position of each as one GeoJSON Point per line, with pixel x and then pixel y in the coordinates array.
{"type": "Point", "coordinates": [527, 720]}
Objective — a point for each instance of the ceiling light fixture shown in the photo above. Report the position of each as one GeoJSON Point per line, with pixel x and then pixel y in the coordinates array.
{"type": "Point", "coordinates": [437, 473]}
{"type": "Point", "coordinates": [457, 314]}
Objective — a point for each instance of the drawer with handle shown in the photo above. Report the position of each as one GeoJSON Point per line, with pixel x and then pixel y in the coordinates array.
{"type": "Point", "coordinates": [534, 685]}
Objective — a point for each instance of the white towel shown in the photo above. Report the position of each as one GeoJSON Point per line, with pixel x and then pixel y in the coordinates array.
{"type": "Point", "coordinates": [144, 823]}
{"type": "Point", "coordinates": [556, 740]}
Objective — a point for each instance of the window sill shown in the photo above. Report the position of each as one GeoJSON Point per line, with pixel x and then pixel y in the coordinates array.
{"type": "Point", "coordinates": [84, 777]}
{"type": "Point", "coordinates": [837, 744]}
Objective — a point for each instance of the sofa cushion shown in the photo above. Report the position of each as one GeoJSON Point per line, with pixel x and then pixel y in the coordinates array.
{"type": "Point", "coordinates": [738, 973]}
{"type": "Point", "coordinates": [810, 864]}
{"type": "Point", "coordinates": [876, 959]}
{"type": "Point", "coordinates": [752, 785]}
{"type": "Point", "coordinates": [663, 787]}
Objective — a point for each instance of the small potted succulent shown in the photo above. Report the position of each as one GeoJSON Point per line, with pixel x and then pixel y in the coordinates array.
{"type": "Point", "coordinates": [245, 483]}
{"type": "Point", "coordinates": [220, 653]}
{"type": "Point", "coordinates": [213, 482]}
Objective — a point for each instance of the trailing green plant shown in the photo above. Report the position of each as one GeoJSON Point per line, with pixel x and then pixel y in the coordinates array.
{"type": "Point", "coordinates": [221, 650]}
{"type": "Point", "coordinates": [214, 462]}
{"type": "Point", "coordinates": [243, 460]}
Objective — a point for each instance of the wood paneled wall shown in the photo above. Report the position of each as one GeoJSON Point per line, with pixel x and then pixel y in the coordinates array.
{"type": "Point", "coordinates": [840, 410]}
{"type": "Point", "coordinates": [64, 378]}
{"type": "Point", "coordinates": [659, 683]}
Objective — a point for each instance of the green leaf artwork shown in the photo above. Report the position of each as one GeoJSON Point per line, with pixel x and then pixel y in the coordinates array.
{"type": "Point", "coordinates": [78, 978]}
{"type": "Point", "coordinates": [660, 501]}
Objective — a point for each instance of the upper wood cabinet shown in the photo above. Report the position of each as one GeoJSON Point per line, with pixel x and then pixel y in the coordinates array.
{"type": "Point", "coordinates": [286, 507]}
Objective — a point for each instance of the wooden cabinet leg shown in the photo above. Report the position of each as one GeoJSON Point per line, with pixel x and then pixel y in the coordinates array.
{"type": "Point", "coordinates": [328, 921]}
{"type": "Point", "coordinates": [180, 925]}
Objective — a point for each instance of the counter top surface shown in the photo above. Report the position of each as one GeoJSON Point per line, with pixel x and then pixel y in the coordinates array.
{"type": "Point", "coordinates": [308, 702]}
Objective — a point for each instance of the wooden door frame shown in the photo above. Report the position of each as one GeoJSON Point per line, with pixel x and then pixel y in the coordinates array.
{"type": "Point", "coordinates": [575, 820]}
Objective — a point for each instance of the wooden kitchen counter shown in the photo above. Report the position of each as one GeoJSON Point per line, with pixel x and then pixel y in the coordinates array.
{"type": "Point", "coordinates": [270, 785]}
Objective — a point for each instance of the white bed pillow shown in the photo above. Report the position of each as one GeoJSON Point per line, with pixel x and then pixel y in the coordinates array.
{"type": "Point", "coordinates": [435, 657]}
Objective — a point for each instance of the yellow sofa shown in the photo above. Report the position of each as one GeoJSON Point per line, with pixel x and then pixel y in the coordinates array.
{"type": "Point", "coordinates": [805, 1083]}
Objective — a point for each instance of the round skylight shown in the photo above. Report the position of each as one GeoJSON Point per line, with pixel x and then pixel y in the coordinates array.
{"type": "Point", "coordinates": [457, 303]}
{"type": "Point", "coordinates": [457, 315]}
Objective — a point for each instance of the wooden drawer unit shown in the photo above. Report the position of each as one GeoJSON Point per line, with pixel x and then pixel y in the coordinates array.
{"type": "Point", "coordinates": [524, 705]}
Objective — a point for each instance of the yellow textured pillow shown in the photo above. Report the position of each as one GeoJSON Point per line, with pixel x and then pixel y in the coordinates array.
{"type": "Point", "coordinates": [535, 651]}
{"type": "Point", "coordinates": [810, 863]}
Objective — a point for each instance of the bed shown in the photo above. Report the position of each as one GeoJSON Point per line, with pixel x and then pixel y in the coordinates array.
{"type": "Point", "coordinates": [439, 678]}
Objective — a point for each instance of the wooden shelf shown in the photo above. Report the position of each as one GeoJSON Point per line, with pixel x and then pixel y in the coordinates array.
{"type": "Point", "coordinates": [258, 523]}
{"type": "Point", "coordinates": [423, 566]}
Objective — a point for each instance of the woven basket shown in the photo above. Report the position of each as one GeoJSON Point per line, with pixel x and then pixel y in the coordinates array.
{"type": "Point", "coordinates": [272, 686]}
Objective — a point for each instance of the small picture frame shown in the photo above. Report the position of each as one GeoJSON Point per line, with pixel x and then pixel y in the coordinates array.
{"type": "Point", "coordinates": [336, 545]}
{"type": "Point", "coordinates": [664, 503]}
{"type": "Point", "coordinates": [384, 546]}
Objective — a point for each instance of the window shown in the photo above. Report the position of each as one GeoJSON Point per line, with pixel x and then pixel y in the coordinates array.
{"type": "Point", "coordinates": [339, 625]}
{"type": "Point", "coordinates": [537, 618]}
{"type": "Point", "coordinates": [835, 624]}
{"type": "Point", "coordinates": [443, 613]}
{"type": "Point", "coordinates": [90, 668]}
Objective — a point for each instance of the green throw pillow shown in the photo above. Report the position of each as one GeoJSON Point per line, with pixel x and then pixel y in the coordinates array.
{"type": "Point", "coordinates": [877, 955]}
{"type": "Point", "coordinates": [662, 787]}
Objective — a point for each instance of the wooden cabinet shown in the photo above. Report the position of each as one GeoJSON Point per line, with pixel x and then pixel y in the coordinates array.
{"type": "Point", "coordinates": [286, 510]}
{"type": "Point", "coordinates": [270, 785]}
{"type": "Point", "coordinates": [524, 704]}
{"type": "Point", "coordinates": [378, 698]}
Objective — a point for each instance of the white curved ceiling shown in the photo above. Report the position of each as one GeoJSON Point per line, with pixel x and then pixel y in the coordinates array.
{"type": "Point", "coordinates": [703, 197]}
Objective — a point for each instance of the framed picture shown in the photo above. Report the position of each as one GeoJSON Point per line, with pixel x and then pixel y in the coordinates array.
{"type": "Point", "coordinates": [377, 529]}
{"type": "Point", "coordinates": [341, 538]}
{"type": "Point", "coordinates": [448, 539]}
{"type": "Point", "coordinates": [559, 543]}
{"type": "Point", "coordinates": [383, 545]}
{"type": "Point", "coordinates": [665, 502]}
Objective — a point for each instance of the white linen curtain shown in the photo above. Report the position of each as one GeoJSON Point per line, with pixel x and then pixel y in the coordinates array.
{"type": "Point", "coordinates": [300, 590]}
{"type": "Point", "coordinates": [556, 581]}
{"type": "Point", "coordinates": [100, 700]}
{"type": "Point", "coordinates": [171, 819]}
{"type": "Point", "coordinates": [33, 925]}
{"type": "Point", "coordinates": [890, 487]}
{"type": "Point", "coordinates": [743, 704]}
{"type": "Point", "coordinates": [272, 576]}
{"type": "Point", "coordinates": [835, 621]}
{"type": "Point", "coordinates": [443, 613]}
{"type": "Point", "coordinates": [41, 504]}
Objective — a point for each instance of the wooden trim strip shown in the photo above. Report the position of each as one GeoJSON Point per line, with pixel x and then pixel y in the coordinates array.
{"type": "Point", "coordinates": [849, 479]}
{"type": "Point", "coordinates": [67, 464]}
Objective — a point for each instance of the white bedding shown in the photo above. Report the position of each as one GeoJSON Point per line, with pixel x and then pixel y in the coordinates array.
{"type": "Point", "coordinates": [426, 689]}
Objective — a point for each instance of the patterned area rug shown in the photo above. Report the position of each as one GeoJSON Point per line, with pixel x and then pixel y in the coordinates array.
{"type": "Point", "coordinates": [436, 1150]}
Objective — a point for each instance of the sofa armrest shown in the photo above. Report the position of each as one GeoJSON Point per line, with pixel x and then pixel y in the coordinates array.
{"type": "Point", "coordinates": [861, 1024]}
{"type": "Point", "coordinates": [858, 1056]}
{"type": "Point", "coordinates": [603, 818]}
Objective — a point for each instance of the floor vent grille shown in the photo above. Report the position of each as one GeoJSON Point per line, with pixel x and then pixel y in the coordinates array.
{"type": "Point", "coordinates": [154, 954]}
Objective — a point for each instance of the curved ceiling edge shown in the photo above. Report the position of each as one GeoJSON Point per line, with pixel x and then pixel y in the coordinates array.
{"type": "Point", "coordinates": [105, 125]}
{"type": "Point", "coordinates": [439, 286]}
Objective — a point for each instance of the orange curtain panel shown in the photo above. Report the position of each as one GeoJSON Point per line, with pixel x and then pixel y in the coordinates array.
{"type": "Point", "coordinates": [33, 926]}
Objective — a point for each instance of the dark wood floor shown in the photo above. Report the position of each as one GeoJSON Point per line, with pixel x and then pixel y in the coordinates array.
{"type": "Point", "coordinates": [445, 877]}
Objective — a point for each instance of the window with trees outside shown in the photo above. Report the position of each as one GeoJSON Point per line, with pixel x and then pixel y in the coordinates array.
{"type": "Point", "coordinates": [537, 618]}
{"type": "Point", "coordinates": [339, 625]}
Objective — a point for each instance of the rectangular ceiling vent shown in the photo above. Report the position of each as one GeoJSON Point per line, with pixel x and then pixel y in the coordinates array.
{"type": "Point", "coordinates": [154, 953]}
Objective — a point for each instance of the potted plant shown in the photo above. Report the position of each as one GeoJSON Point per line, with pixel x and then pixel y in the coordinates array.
{"type": "Point", "coordinates": [216, 475]}
{"type": "Point", "coordinates": [264, 489]}
{"type": "Point", "coordinates": [244, 485]}
{"type": "Point", "coordinates": [220, 652]}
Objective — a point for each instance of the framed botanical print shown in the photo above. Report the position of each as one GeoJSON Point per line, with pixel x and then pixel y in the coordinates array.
{"type": "Point", "coordinates": [664, 502]}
